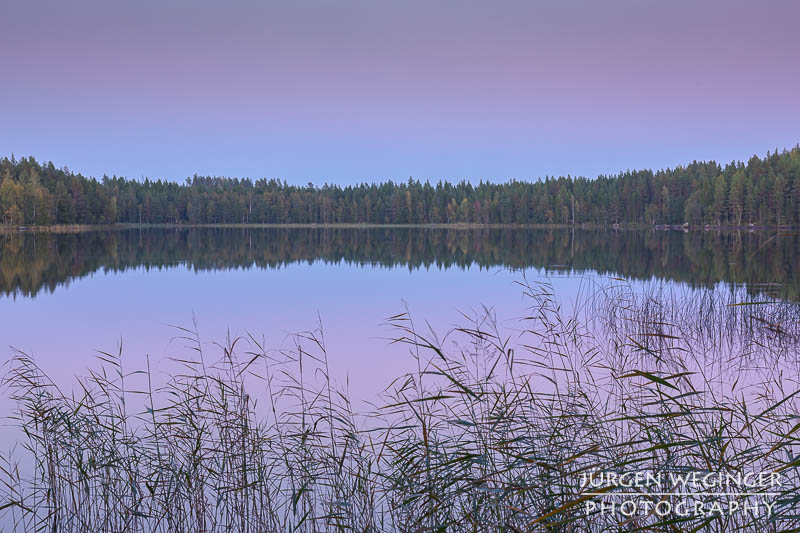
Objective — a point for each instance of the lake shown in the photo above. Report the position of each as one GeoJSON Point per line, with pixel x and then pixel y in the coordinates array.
{"type": "Point", "coordinates": [67, 296]}
{"type": "Point", "coordinates": [608, 322]}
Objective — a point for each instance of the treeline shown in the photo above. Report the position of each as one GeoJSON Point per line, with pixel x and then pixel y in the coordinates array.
{"type": "Point", "coordinates": [764, 191]}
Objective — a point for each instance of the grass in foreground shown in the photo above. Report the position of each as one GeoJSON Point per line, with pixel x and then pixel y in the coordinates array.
{"type": "Point", "coordinates": [490, 432]}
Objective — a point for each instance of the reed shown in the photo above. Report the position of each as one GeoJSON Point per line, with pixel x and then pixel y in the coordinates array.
{"type": "Point", "coordinates": [491, 431]}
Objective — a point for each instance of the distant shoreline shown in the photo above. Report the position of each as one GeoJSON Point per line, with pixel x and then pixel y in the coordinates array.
{"type": "Point", "coordinates": [75, 228]}
{"type": "Point", "coordinates": [706, 195]}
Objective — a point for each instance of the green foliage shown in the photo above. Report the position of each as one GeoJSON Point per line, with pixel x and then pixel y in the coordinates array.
{"type": "Point", "coordinates": [762, 192]}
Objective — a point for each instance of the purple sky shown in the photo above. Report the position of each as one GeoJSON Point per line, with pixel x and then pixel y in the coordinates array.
{"type": "Point", "coordinates": [347, 91]}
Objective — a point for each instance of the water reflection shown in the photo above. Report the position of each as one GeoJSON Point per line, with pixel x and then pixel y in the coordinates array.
{"type": "Point", "coordinates": [33, 262]}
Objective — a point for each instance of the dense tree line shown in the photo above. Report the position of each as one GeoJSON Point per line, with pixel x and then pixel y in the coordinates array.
{"type": "Point", "coordinates": [764, 191]}
{"type": "Point", "coordinates": [31, 261]}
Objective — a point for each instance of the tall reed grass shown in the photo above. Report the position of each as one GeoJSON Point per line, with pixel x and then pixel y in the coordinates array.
{"type": "Point", "coordinates": [491, 431]}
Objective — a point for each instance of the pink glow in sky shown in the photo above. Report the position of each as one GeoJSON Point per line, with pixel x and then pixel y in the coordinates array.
{"type": "Point", "coordinates": [347, 91]}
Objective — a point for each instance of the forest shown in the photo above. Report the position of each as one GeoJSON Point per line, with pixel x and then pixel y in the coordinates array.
{"type": "Point", "coordinates": [762, 192]}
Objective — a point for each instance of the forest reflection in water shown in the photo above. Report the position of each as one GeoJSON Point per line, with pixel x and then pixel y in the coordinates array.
{"type": "Point", "coordinates": [762, 261]}
{"type": "Point", "coordinates": [608, 372]}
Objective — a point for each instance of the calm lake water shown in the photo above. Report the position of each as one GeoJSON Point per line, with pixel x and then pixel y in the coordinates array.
{"type": "Point", "coordinates": [652, 343]}
{"type": "Point", "coordinates": [65, 297]}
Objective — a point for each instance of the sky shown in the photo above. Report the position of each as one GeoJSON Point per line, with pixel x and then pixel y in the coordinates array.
{"type": "Point", "coordinates": [348, 91]}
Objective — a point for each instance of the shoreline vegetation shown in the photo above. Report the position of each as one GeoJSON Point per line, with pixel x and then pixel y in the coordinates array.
{"type": "Point", "coordinates": [762, 193]}
{"type": "Point", "coordinates": [492, 431]}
